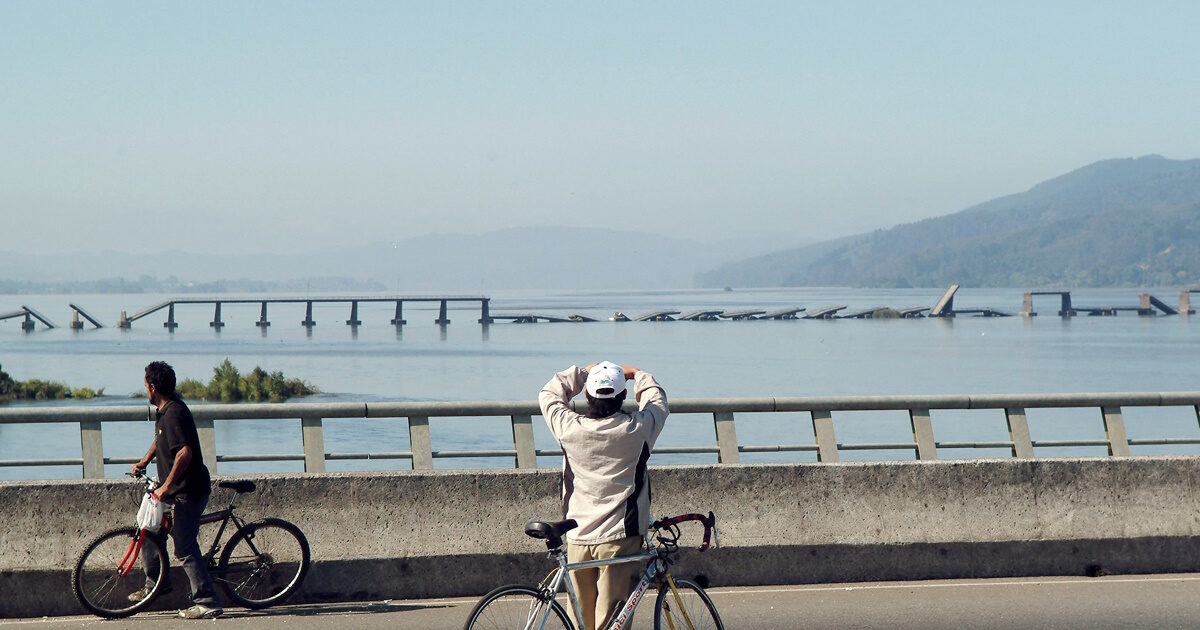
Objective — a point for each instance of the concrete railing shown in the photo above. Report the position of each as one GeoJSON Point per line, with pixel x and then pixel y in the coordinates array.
{"type": "Point", "coordinates": [520, 415]}
{"type": "Point", "coordinates": [387, 535]}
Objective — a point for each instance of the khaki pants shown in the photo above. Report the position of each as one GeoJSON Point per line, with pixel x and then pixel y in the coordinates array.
{"type": "Point", "coordinates": [600, 588]}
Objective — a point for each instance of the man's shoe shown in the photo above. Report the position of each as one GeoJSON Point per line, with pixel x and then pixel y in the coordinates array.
{"type": "Point", "coordinates": [200, 611]}
{"type": "Point", "coordinates": [143, 592]}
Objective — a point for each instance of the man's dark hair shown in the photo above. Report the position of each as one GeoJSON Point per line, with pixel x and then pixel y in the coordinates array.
{"type": "Point", "coordinates": [162, 377]}
{"type": "Point", "coordinates": [605, 407]}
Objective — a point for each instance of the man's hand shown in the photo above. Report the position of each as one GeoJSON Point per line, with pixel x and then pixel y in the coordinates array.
{"type": "Point", "coordinates": [137, 469]}
{"type": "Point", "coordinates": [629, 371]}
{"type": "Point", "coordinates": [160, 492]}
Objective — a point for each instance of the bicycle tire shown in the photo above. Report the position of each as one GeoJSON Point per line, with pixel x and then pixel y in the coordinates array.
{"type": "Point", "coordinates": [101, 588]}
{"type": "Point", "coordinates": [264, 563]}
{"type": "Point", "coordinates": [697, 613]}
{"type": "Point", "coordinates": [514, 606]}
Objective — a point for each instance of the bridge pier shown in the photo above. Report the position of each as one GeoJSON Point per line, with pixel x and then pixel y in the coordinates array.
{"type": "Point", "coordinates": [353, 321]}
{"type": "Point", "coordinates": [262, 317]}
{"type": "Point", "coordinates": [485, 316]}
{"type": "Point", "coordinates": [308, 320]}
{"type": "Point", "coordinates": [75, 323]}
{"type": "Point", "coordinates": [442, 318]}
{"type": "Point", "coordinates": [27, 325]}
{"type": "Point", "coordinates": [398, 320]}
{"type": "Point", "coordinates": [123, 323]}
{"type": "Point", "coordinates": [170, 323]}
{"type": "Point", "coordinates": [216, 322]}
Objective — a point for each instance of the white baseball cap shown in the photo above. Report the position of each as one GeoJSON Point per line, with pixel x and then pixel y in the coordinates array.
{"type": "Point", "coordinates": [605, 380]}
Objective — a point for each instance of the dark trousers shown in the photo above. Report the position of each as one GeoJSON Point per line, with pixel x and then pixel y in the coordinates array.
{"type": "Point", "coordinates": [187, 513]}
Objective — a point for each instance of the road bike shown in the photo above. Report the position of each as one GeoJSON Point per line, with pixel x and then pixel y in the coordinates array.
{"type": "Point", "coordinates": [680, 604]}
{"type": "Point", "coordinates": [124, 569]}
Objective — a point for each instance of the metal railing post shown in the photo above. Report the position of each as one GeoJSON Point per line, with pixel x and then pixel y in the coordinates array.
{"type": "Point", "coordinates": [922, 428]}
{"type": "Point", "coordinates": [727, 444]}
{"type": "Point", "coordinates": [1018, 432]}
{"type": "Point", "coordinates": [422, 446]}
{"type": "Point", "coordinates": [313, 437]}
{"type": "Point", "coordinates": [1114, 428]}
{"type": "Point", "coordinates": [827, 450]}
{"type": "Point", "coordinates": [93, 449]}
{"type": "Point", "coordinates": [208, 443]}
{"type": "Point", "coordinates": [522, 428]}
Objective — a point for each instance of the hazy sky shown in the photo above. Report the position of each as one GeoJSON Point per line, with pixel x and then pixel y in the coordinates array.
{"type": "Point", "coordinates": [226, 126]}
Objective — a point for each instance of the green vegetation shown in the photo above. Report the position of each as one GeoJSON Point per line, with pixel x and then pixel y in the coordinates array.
{"type": "Point", "coordinates": [228, 385]}
{"type": "Point", "coordinates": [885, 313]}
{"type": "Point", "coordinates": [37, 389]}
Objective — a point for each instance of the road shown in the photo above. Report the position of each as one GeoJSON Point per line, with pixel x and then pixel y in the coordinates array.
{"type": "Point", "coordinates": [1150, 601]}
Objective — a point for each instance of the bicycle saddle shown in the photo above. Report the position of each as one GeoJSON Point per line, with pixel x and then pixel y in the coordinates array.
{"type": "Point", "coordinates": [550, 532]}
{"type": "Point", "coordinates": [238, 486]}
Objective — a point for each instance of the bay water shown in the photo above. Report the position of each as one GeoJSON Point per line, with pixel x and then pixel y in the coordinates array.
{"type": "Point", "coordinates": [506, 361]}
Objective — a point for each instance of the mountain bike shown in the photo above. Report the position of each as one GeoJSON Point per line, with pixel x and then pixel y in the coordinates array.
{"type": "Point", "coordinates": [124, 569]}
{"type": "Point", "coordinates": [680, 604]}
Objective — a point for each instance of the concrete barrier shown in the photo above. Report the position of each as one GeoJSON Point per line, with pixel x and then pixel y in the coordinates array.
{"type": "Point", "coordinates": [401, 535]}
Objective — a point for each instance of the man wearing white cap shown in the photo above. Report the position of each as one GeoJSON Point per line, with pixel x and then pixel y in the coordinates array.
{"type": "Point", "coordinates": [605, 487]}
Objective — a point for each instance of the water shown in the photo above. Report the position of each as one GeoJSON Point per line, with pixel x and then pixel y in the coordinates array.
{"type": "Point", "coordinates": [466, 361]}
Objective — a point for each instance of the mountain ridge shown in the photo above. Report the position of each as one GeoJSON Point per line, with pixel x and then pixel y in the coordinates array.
{"type": "Point", "coordinates": [1130, 221]}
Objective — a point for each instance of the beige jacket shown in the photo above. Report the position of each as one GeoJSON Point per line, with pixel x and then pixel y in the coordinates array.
{"type": "Point", "coordinates": [605, 483]}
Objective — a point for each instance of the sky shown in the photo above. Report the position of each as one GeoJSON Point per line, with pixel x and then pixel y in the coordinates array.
{"type": "Point", "coordinates": [230, 127]}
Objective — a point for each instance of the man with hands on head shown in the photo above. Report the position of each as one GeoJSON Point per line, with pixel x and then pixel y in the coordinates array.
{"type": "Point", "coordinates": [184, 482]}
{"type": "Point", "coordinates": [605, 486]}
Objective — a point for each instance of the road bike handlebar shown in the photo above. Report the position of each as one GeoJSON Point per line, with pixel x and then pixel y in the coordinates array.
{"type": "Point", "coordinates": [710, 525]}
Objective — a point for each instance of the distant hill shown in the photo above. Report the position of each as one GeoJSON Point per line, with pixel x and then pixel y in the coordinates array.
{"type": "Point", "coordinates": [544, 257]}
{"type": "Point", "coordinates": [1126, 222]}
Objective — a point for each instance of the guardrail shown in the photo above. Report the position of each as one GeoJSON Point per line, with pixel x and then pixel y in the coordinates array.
{"type": "Point", "coordinates": [520, 414]}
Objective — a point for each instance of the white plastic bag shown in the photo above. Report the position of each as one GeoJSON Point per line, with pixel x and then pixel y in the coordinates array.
{"type": "Point", "coordinates": [150, 514]}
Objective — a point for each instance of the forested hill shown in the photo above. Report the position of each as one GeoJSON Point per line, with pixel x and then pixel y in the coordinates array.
{"type": "Point", "coordinates": [1128, 222]}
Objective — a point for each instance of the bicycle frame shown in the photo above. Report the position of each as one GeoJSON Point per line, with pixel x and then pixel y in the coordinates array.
{"type": "Point", "coordinates": [561, 577]}
{"type": "Point", "coordinates": [225, 516]}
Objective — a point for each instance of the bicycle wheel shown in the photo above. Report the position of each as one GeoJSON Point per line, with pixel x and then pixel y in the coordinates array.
{"type": "Point", "coordinates": [691, 610]}
{"type": "Point", "coordinates": [109, 578]}
{"type": "Point", "coordinates": [516, 606]}
{"type": "Point", "coordinates": [264, 563]}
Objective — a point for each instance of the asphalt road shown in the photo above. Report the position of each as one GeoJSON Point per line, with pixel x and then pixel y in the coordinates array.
{"type": "Point", "coordinates": [1150, 601]}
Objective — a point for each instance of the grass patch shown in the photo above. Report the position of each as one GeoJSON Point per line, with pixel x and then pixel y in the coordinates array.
{"type": "Point", "coordinates": [37, 389]}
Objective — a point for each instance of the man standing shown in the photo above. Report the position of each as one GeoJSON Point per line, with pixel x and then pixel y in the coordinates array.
{"type": "Point", "coordinates": [605, 485]}
{"type": "Point", "coordinates": [184, 482]}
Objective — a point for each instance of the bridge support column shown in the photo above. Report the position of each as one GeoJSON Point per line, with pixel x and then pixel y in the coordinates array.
{"type": "Point", "coordinates": [1018, 432]}
{"type": "Point", "coordinates": [308, 320]}
{"type": "Point", "coordinates": [485, 316]}
{"type": "Point", "coordinates": [922, 427]}
{"type": "Point", "coordinates": [314, 444]}
{"type": "Point", "coordinates": [1067, 310]}
{"type": "Point", "coordinates": [1027, 306]}
{"type": "Point", "coordinates": [422, 445]}
{"type": "Point", "coordinates": [522, 428]}
{"type": "Point", "coordinates": [442, 318]}
{"type": "Point", "coordinates": [216, 322]}
{"type": "Point", "coordinates": [827, 450]}
{"type": "Point", "coordinates": [123, 323]}
{"type": "Point", "coordinates": [92, 448]}
{"type": "Point", "coordinates": [28, 324]}
{"type": "Point", "coordinates": [76, 324]}
{"type": "Point", "coordinates": [398, 320]}
{"type": "Point", "coordinates": [1185, 302]}
{"type": "Point", "coordinates": [208, 442]}
{"type": "Point", "coordinates": [262, 317]}
{"type": "Point", "coordinates": [1114, 428]}
{"type": "Point", "coordinates": [353, 321]}
{"type": "Point", "coordinates": [727, 444]}
{"type": "Point", "coordinates": [170, 323]}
